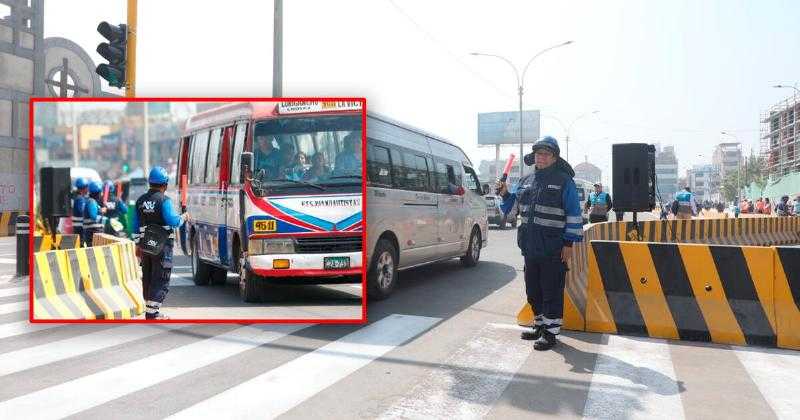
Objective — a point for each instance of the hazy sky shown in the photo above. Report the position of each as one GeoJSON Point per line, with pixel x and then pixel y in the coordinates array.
{"type": "Point", "coordinates": [672, 72]}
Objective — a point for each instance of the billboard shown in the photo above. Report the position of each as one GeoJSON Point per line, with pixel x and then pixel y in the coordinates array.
{"type": "Point", "coordinates": [503, 127]}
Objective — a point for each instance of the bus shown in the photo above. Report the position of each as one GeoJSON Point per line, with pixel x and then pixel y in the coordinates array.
{"type": "Point", "coordinates": [425, 203]}
{"type": "Point", "coordinates": [274, 191]}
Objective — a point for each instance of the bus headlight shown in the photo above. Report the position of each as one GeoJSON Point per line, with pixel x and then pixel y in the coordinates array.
{"type": "Point", "coordinates": [271, 246]}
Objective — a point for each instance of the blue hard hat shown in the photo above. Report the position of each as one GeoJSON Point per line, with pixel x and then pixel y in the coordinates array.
{"type": "Point", "coordinates": [81, 183]}
{"type": "Point", "coordinates": [110, 186]}
{"type": "Point", "coordinates": [95, 187]}
{"type": "Point", "coordinates": [548, 143]}
{"type": "Point", "coordinates": [158, 176]}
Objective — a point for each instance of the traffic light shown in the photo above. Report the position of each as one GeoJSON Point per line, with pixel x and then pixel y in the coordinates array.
{"type": "Point", "coordinates": [125, 168]}
{"type": "Point", "coordinates": [114, 51]}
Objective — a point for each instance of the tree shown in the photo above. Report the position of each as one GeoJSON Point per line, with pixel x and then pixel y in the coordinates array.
{"type": "Point", "coordinates": [730, 186]}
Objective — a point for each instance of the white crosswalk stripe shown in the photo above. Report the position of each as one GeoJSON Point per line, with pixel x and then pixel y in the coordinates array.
{"type": "Point", "coordinates": [23, 327]}
{"type": "Point", "coordinates": [298, 380]}
{"type": "Point", "coordinates": [634, 378]}
{"type": "Point", "coordinates": [116, 382]}
{"type": "Point", "coordinates": [9, 308]}
{"type": "Point", "coordinates": [470, 381]}
{"type": "Point", "coordinates": [14, 291]}
{"type": "Point", "coordinates": [776, 373]}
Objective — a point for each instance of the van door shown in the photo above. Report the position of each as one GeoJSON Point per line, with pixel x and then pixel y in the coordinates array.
{"type": "Point", "coordinates": [418, 208]}
{"type": "Point", "coordinates": [452, 211]}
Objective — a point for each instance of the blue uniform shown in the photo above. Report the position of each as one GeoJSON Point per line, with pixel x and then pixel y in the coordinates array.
{"type": "Point", "coordinates": [93, 220]}
{"type": "Point", "coordinates": [551, 220]}
{"type": "Point", "coordinates": [154, 208]}
{"type": "Point", "coordinates": [686, 204]}
{"type": "Point", "coordinates": [78, 205]}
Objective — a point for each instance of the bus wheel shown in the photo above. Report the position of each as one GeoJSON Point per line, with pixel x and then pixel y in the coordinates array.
{"type": "Point", "coordinates": [219, 276]}
{"type": "Point", "coordinates": [201, 272]}
{"type": "Point", "coordinates": [382, 275]}
{"type": "Point", "coordinates": [249, 288]}
{"type": "Point", "coordinates": [470, 259]}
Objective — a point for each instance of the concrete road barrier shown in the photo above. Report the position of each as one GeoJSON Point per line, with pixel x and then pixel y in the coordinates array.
{"type": "Point", "coordinates": [787, 296]}
{"type": "Point", "coordinates": [7, 222]}
{"type": "Point", "coordinates": [46, 243]}
{"type": "Point", "coordinates": [99, 282]}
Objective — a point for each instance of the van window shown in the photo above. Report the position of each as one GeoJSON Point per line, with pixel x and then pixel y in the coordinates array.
{"type": "Point", "coordinates": [472, 180]}
{"type": "Point", "coordinates": [423, 175]}
{"type": "Point", "coordinates": [199, 150]}
{"type": "Point", "coordinates": [379, 166]}
{"type": "Point", "coordinates": [212, 166]}
{"type": "Point", "coordinates": [448, 178]}
{"type": "Point", "coordinates": [237, 146]}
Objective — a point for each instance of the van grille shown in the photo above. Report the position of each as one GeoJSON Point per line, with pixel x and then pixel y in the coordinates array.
{"type": "Point", "coordinates": [328, 245]}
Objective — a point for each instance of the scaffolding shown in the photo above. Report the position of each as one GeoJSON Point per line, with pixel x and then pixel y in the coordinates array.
{"type": "Point", "coordinates": [780, 138]}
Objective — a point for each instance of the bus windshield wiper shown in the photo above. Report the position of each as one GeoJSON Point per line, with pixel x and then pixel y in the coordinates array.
{"type": "Point", "coordinates": [294, 181]}
{"type": "Point", "coordinates": [345, 176]}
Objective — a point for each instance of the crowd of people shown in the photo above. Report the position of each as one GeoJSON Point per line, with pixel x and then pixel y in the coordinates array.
{"type": "Point", "coordinates": [286, 163]}
{"type": "Point", "coordinates": [763, 206]}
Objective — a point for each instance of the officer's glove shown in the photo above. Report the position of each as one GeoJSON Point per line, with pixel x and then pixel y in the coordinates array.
{"type": "Point", "coordinates": [111, 205]}
{"type": "Point", "coordinates": [501, 188]}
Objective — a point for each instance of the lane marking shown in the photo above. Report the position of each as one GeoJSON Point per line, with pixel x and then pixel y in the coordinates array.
{"type": "Point", "coordinates": [469, 382]}
{"type": "Point", "coordinates": [776, 373]}
{"type": "Point", "coordinates": [31, 357]}
{"type": "Point", "coordinates": [279, 390]}
{"type": "Point", "coordinates": [14, 291]}
{"type": "Point", "coordinates": [8, 308]}
{"type": "Point", "coordinates": [8, 260]}
{"type": "Point", "coordinates": [633, 378]}
{"type": "Point", "coordinates": [107, 385]}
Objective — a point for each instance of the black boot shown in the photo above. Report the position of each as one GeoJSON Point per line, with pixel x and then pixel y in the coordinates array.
{"type": "Point", "coordinates": [545, 342]}
{"type": "Point", "coordinates": [532, 334]}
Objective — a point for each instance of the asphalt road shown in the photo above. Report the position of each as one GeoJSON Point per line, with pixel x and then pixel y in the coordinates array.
{"type": "Point", "coordinates": [445, 345]}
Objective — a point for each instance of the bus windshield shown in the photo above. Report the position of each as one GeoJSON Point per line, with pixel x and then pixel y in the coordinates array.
{"type": "Point", "coordinates": [324, 150]}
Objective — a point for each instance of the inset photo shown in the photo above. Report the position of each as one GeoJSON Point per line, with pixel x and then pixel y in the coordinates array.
{"type": "Point", "coordinates": [197, 210]}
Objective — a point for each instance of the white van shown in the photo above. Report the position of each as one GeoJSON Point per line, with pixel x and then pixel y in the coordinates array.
{"type": "Point", "coordinates": [424, 203]}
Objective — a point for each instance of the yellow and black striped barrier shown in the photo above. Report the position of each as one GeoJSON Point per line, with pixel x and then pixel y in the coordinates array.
{"type": "Point", "coordinates": [761, 231]}
{"type": "Point", "coordinates": [7, 222]}
{"type": "Point", "coordinates": [721, 294]}
{"type": "Point", "coordinates": [100, 282]}
{"type": "Point", "coordinates": [787, 296]}
{"type": "Point", "coordinates": [45, 243]}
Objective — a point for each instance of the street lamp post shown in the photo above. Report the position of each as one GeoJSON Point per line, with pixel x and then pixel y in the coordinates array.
{"type": "Point", "coordinates": [520, 91]}
{"type": "Point", "coordinates": [568, 128]}
{"type": "Point", "coordinates": [788, 87]}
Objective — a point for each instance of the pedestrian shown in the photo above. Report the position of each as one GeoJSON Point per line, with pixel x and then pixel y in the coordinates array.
{"type": "Point", "coordinates": [797, 206]}
{"type": "Point", "coordinates": [551, 222]}
{"type": "Point", "coordinates": [687, 207]}
{"type": "Point", "coordinates": [153, 226]}
{"type": "Point", "coordinates": [93, 219]}
{"type": "Point", "coordinates": [78, 206]}
{"type": "Point", "coordinates": [760, 206]}
{"type": "Point", "coordinates": [598, 204]}
{"type": "Point", "coordinates": [767, 206]}
{"type": "Point", "coordinates": [115, 211]}
{"type": "Point", "coordinates": [782, 208]}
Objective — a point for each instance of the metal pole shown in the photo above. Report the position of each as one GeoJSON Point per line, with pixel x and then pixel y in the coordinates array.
{"type": "Point", "coordinates": [74, 137]}
{"type": "Point", "coordinates": [521, 141]}
{"type": "Point", "coordinates": [23, 227]}
{"type": "Point", "coordinates": [277, 51]}
{"type": "Point", "coordinates": [146, 157]}
{"type": "Point", "coordinates": [130, 59]}
{"type": "Point", "coordinates": [496, 161]}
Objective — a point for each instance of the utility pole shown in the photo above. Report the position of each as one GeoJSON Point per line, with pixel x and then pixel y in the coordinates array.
{"type": "Point", "coordinates": [130, 59]}
{"type": "Point", "coordinates": [277, 51]}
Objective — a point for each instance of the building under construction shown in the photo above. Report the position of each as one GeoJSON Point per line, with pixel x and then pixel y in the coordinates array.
{"type": "Point", "coordinates": [780, 138]}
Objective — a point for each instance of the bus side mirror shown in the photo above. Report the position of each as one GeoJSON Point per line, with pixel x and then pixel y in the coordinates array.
{"type": "Point", "coordinates": [245, 166]}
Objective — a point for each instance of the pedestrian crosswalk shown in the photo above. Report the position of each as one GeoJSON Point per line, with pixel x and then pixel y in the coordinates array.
{"type": "Point", "coordinates": [91, 372]}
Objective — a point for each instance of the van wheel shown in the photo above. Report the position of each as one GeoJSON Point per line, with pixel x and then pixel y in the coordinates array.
{"type": "Point", "coordinates": [382, 275]}
{"type": "Point", "coordinates": [249, 286]}
{"type": "Point", "coordinates": [201, 272]}
{"type": "Point", "coordinates": [470, 259]}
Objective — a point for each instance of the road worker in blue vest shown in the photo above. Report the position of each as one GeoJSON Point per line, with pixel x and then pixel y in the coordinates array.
{"type": "Point", "coordinates": [116, 210]}
{"type": "Point", "coordinates": [551, 222]}
{"type": "Point", "coordinates": [153, 227]}
{"type": "Point", "coordinates": [93, 213]}
{"type": "Point", "coordinates": [598, 204]}
{"type": "Point", "coordinates": [78, 205]}
{"type": "Point", "coordinates": [687, 207]}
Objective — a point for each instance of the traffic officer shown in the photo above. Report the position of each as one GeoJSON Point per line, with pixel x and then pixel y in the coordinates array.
{"type": "Point", "coordinates": [598, 204]}
{"type": "Point", "coordinates": [115, 208]}
{"type": "Point", "coordinates": [93, 219]}
{"type": "Point", "coordinates": [154, 211]}
{"type": "Point", "coordinates": [686, 204]}
{"type": "Point", "coordinates": [78, 204]}
{"type": "Point", "coordinates": [551, 222]}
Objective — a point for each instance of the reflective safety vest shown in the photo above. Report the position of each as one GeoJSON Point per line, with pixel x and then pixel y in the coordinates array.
{"type": "Point", "coordinates": [684, 202]}
{"type": "Point", "coordinates": [78, 204]}
{"type": "Point", "coordinates": [599, 203]}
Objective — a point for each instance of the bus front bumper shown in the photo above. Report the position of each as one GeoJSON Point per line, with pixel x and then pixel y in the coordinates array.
{"type": "Point", "coordinates": [303, 265]}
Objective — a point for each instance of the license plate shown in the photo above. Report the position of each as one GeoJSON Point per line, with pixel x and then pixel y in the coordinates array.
{"type": "Point", "coordinates": [264, 226]}
{"type": "Point", "coordinates": [336, 263]}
